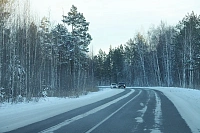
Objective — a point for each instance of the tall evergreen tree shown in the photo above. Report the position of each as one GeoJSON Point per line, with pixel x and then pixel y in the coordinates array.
{"type": "Point", "coordinates": [80, 41]}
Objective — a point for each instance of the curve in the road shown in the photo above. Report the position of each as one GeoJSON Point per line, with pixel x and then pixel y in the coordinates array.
{"type": "Point", "coordinates": [139, 111]}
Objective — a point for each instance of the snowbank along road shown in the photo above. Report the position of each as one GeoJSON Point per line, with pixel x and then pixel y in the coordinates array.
{"type": "Point", "coordinates": [132, 110]}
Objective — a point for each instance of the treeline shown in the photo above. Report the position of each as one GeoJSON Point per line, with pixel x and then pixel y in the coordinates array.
{"type": "Point", "coordinates": [38, 60]}
{"type": "Point", "coordinates": [166, 56]}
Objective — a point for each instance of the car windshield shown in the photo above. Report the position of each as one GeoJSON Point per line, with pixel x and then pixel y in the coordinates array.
{"type": "Point", "coordinates": [91, 66]}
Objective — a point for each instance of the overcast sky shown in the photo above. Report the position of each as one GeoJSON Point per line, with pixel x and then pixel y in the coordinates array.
{"type": "Point", "coordinates": [114, 22]}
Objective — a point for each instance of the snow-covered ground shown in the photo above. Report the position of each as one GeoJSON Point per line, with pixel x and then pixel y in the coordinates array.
{"type": "Point", "coordinates": [187, 101]}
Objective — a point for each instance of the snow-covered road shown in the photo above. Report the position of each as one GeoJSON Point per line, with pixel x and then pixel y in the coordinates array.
{"type": "Point", "coordinates": [12, 116]}
{"type": "Point", "coordinates": [187, 102]}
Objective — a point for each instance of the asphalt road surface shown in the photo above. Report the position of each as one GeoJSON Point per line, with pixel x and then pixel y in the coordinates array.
{"type": "Point", "coordinates": [132, 111]}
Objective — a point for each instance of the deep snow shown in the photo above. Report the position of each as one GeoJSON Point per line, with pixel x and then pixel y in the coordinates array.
{"type": "Point", "coordinates": [12, 116]}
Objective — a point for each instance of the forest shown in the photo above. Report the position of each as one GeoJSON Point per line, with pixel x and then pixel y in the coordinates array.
{"type": "Point", "coordinates": [42, 59]}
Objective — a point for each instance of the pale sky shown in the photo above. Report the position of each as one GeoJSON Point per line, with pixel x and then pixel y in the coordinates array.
{"type": "Point", "coordinates": [114, 22]}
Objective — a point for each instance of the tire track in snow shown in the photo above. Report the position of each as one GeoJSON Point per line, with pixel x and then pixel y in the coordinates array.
{"type": "Point", "coordinates": [139, 119]}
{"type": "Point", "coordinates": [96, 126]}
{"type": "Point", "coordinates": [157, 115]}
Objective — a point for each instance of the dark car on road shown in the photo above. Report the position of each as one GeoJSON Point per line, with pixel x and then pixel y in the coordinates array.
{"type": "Point", "coordinates": [121, 85]}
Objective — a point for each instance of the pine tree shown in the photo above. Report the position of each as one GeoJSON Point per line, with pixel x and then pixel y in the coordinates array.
{"type": "Point", "coordinates": [62, 47]}
{"type": "Point", "coordinates": [80, 41]}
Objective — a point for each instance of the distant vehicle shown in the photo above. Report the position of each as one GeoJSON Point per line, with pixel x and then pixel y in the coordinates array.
{"type": "Point", "coordinates": [113, 85]}
{"type": "Point", "coordinates": [121, 85]}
